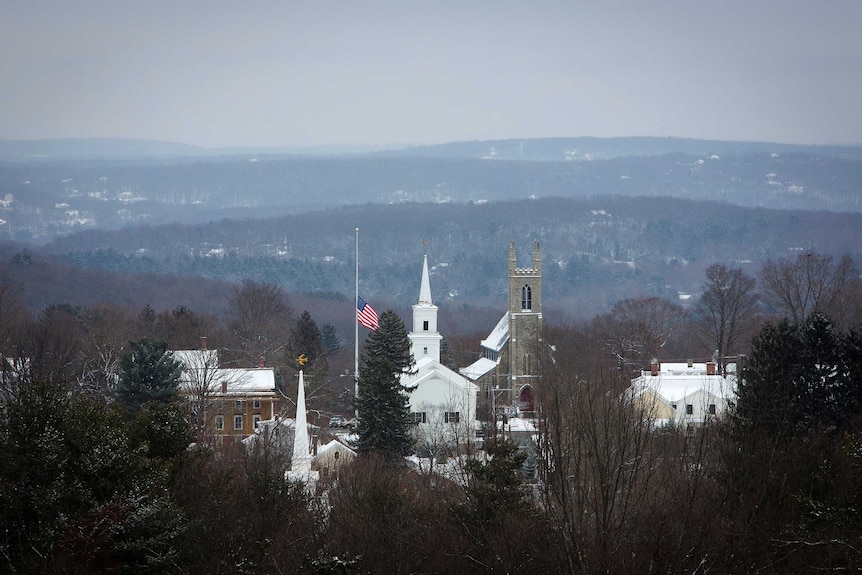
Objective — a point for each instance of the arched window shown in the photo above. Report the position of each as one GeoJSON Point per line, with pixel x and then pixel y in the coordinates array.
{"type": "Point", "coordinates": [526, 297]}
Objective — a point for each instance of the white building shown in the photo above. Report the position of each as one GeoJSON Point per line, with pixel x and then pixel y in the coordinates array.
{"type": "Point", "coordinates": [443, 402]}
{"type": "Point", "coordinates": [684, 393]}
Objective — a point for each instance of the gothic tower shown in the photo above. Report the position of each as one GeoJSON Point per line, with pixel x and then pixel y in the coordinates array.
{"type": "Point", "coordinates": [424, 339]}
{"type": "Point", "coordinates": [525, 323]}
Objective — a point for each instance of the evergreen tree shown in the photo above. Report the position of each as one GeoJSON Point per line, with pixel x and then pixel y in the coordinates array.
{"type": "Point", "coordinates": [330, 338]}
{"type": "Point", "coordinates": [794, 464]}
{"type": "Point", "coordinates": [76, 494]}
{"type": "Point", "coordinates": [147, 373]}
{"type": "Point", "coordinates": [305, 340]}
{"type": "Point", "coordinates": [495, 486]}
{"type": "Point", "coordinates": [799, 377]}
{"type": "Point", "coordinates": [382, 405]}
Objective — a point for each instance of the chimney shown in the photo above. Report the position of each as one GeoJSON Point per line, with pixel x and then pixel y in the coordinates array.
{"type": "Point", "coordinates": [314, 440]}
{"type": "Point", "coordinates": [261, 363]}
{"type": "Point", "coordinates": [204, 342]}
{"type": "Point", "coordinates": [224, 388]}
{"type": "Point", "coordinates": [710, 368]}
{"type": "Point", "coordinates": [654, 367]}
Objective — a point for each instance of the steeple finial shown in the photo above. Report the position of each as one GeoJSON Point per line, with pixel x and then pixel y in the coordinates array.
{"type": "Point", "coordinates": [425, 286]}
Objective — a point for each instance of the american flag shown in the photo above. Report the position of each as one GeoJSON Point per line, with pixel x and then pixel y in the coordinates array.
{"type": "Point", "coordinates": [366, 314]}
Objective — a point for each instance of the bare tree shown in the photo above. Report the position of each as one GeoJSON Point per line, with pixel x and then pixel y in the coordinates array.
{"type": "Point", "coordinates": [108, 330]}
{"type": "Point", "coordinates": [812, 282]}
{"type": "Point", "coordinates": [624, 494]}
{"type": "Point", "coordinates": [638, 329]}
{"type": "Point", "coordinates": [728, 301]}
{"type": "Point", "coordinates": [201, 385]}
{"type": "Point", "coordinates": [14, 322]}
{"type": "Point", "coordinates": [260, 322]}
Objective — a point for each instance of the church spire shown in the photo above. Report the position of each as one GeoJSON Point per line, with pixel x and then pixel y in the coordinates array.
{"type": "Point", "coordinates": [424, 339]}
{"type": "Point", "coordinates": [301, 461]}
{"type": "Point", "coordinates": [425, 286]}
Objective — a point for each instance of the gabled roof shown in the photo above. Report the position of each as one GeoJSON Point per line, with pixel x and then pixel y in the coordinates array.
{"type": "Point", "coordinates": [334, 445]}
{"type": "Point", "coordinates": [499, 336]}
{"type": "Point", "coordinates": [676, 381]}
{"type": "Point", "coordinates": [240, 381]}
{"type": "Point", "coordinates": [478, 368]}
{"type": "Point", "coordinates": [428, 369]}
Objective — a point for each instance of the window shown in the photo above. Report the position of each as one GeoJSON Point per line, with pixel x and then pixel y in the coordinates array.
{"type": "Point", "coordinates": [689, 409]}
{"type": "Point", "coordinates": [673, 405]}
{"type": "Point", "coordinates": [425, 325]}
{"type": "Point", "coordinates": [418, 417]}
{"type": "Point", "coordinates": [237, 422]}
{"type": "Point", "coordinates": [219, 422]}
{"type": "Point", "coordinates": [256, 404]}
{"type": "Point", "coordinates": [712, 409]}
{"type": "Point", "coordinates": [424, 351]}
{"type": "Point", "coordinates": [452, 417]}
{"type": "Point", "coordinates": [255, 420]}
{"type": "Point", "coordinates": [237, 404]}
{"type": "Point", "coordinates": [526, 297]}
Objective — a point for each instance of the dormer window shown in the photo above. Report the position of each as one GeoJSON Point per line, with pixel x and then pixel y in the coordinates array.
{"type": "Point", "coordinates": [526, 297]}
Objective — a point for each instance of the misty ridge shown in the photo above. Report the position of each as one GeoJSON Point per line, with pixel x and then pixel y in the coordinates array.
{"type": "Point", "coordinates": [618, 217]}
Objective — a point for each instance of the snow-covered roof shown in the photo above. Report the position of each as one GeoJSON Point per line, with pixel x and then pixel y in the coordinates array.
{"type": "Point", "coordinates": [675, 388]}
{"type": "Point", "coordinates": [196, 358]}
{"type": "Point", "coordinates": [428, 369]}
{"type": "Point", "coordinates": [239, 381]}
{"type": "Point", "coordinates": [334, 445]}
{"type": "Point", "coordinates": [478, 368]}
{"type": "Point", "coordinates": [676, 381]}
{"type": "Point", "coordinates": [499, 336]}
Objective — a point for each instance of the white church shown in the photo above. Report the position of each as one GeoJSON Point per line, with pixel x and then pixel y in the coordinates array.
{"type": "Point", "coordinates": [443, 402]}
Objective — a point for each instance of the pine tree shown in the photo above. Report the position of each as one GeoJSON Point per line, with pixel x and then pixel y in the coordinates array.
{"type": "Point", "coordinates": [147, 373]}
{"type": "Point", "coordinates": [382, 405]}
{"type": "Point", "coordinates": [305, 341]}
{"type": "Point", "coordinates": [330, 338]}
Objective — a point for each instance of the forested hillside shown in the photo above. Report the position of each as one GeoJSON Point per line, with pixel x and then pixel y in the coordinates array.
{"type": "Point", "coordinates": [40, 200]}
{"type": "Point", "coordinates": [595, 251]}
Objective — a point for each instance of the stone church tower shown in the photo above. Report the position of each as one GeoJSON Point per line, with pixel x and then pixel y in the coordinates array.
{"type": "Point", "coordinates": [525, 325]}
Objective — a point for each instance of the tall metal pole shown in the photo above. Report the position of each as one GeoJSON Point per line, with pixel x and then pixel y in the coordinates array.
{"type": "Point", "coordinates": [356, 333]}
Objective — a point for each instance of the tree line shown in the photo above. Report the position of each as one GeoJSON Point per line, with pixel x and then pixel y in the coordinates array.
{"type": "Point", "coordinates": [97, 475]}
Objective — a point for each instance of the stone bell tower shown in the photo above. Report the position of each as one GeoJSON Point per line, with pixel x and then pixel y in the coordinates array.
{"type": "Point", "coordinates": [525, 324]}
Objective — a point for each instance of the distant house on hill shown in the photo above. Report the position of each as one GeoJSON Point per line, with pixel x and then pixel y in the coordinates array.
{"type": "Point", "coordinates": [227, 404]}
{"type": "Point", "coordinates": [683, 393]}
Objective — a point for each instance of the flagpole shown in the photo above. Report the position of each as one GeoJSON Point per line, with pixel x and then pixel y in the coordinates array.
{"type": "Point", "coordinates": [356, 333]}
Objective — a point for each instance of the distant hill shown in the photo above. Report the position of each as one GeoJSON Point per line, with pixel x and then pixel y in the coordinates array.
{"type": "Point", "coordinates": [596, 250]}
{"type": "Point", "coordinates": [64, 149]}
{"type": "Point", "coordinates": [43, 200]}
{"type": "Point", "coordinates": [587, 149]}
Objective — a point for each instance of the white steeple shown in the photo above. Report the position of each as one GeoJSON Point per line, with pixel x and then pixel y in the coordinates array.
{"type": "Point", "coordinates": [424, 338]}
{"type": "Point", "coordinates": [300, 463]}
{"type": "Point", "coordinates": [425, 286]}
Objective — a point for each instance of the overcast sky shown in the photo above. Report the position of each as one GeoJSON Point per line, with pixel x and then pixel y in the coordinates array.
{"type": "Point", "coordinates": [337, 72]}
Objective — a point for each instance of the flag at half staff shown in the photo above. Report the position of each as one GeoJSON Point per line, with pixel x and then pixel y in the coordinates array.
{"type": "Point", "coordinates": [366, 314]}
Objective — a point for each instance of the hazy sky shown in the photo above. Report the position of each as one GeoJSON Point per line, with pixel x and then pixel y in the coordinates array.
{"type": "Point", "coordinates": [337, 72]}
